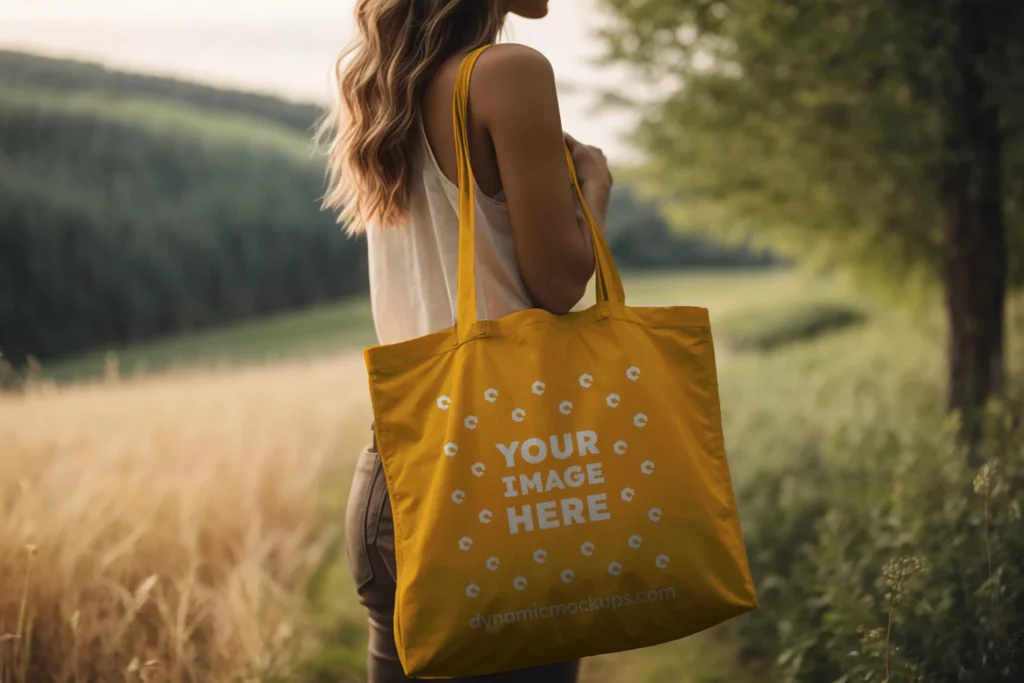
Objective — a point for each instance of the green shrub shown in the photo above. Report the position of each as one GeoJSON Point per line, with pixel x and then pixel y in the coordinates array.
{"type": "Point", "coordinates": [766, 329]}
{"type": "Point", "coordinates": [844, 460]}
{"type": "Point", "coordinates": [883, 555]}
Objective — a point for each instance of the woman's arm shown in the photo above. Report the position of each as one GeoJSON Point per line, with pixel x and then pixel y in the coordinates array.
{"type": "Point", "coordinates": [513, 95]}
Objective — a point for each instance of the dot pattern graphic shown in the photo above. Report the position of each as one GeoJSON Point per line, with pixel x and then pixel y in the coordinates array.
{"type": "Point", "coordinates": [627, 494]}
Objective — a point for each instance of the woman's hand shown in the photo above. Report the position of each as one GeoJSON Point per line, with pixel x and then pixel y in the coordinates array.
{"type": "Point", "coordinates": [591, 164]}
{"type": "Point", "coordinates": [594, 176]}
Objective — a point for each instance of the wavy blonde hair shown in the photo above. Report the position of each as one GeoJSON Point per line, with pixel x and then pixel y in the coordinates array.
{"type": "Point", "coordinates": [381, 79]}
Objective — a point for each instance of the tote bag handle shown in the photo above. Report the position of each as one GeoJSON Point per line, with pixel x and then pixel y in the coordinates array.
{"type": "Point", "coordinates": [608, 283]}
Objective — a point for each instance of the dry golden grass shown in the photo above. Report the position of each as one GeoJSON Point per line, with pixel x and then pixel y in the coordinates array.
{"type": "Point", "coordinates": [175, 521]}
{"type": "Point", "coordinates": [166, 529]}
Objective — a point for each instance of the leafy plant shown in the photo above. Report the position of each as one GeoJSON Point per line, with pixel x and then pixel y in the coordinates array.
{"type": "Point", "coordinates": [895, 573]}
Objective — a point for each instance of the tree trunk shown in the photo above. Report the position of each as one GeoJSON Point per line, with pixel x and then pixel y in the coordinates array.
{"type": "Point", "coordinates": [976, 259]}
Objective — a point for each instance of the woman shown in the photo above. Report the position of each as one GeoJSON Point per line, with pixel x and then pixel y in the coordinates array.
{"type": "Point", "coordinates": [393, 176]}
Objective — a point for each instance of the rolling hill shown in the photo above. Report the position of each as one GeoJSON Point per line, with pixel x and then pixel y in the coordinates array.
{"type": "Point", "coordinates": [134, 207]}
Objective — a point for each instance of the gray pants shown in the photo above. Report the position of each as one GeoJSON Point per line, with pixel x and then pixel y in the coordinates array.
{"type": "Point", "coordinates": [370, 547]}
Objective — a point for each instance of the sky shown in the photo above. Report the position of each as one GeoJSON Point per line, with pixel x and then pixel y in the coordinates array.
{"type": "Point", "coordinates": [287, 47]}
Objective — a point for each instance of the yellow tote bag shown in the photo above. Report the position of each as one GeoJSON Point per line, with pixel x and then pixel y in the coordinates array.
{"type": "Point", "coordinates": [558, 483]}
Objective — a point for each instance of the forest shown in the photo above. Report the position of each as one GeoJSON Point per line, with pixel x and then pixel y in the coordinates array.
{"type": "Point", "coordinates": [134, 207]}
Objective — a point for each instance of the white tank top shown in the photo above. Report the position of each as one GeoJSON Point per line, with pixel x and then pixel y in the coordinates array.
{"type": "Point", "coordinates": [413, 267]}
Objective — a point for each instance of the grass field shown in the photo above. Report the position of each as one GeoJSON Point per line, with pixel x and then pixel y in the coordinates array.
{"type": "Point", "coordinates": [192, 519]}
{"type": "Point", "coordinates": [337, 328]}
{"type": "Point", "coordinates": [309, 333]}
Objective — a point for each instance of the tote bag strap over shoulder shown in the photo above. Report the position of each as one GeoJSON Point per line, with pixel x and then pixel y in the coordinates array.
{"type": "Point", "coordinates": [608, 283]}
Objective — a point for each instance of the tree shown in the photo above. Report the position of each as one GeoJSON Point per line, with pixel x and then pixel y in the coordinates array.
{"type": "Point", "coordinates": [640, 238]}
{"type": "Point", "coordinates": [887, 135]}
{"type": "Point", "coordinates": [124, 219]}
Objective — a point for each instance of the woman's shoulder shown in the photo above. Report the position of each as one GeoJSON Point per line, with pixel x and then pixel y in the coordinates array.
{"type": "Point", "coordinates": [513, 55]}
{"type": "Point", "coordinates": [515, 60]}
{"type": "Point", "coordinates": [509, 78]}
